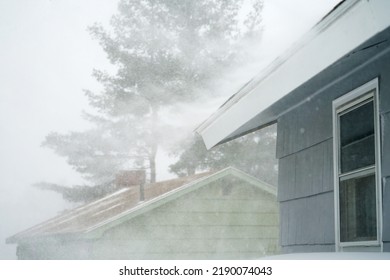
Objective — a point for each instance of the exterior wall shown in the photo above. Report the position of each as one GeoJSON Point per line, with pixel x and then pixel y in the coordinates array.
{"type": "Point", "coordinates": [305, 149]}
{"type": "Point", "coordinates": [220, 221]}
{"type": "Point", "coordinates": [385, 118]}
{"type": "Point", "coordinates": [223, 220]}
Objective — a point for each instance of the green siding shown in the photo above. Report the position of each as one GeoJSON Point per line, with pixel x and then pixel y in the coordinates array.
{"type": "Point", "coordinates": [217, 221]}
{"type": "Point", "coordinates": [221, 220]}
{"type": "Point", "coordinates": [148, 232]}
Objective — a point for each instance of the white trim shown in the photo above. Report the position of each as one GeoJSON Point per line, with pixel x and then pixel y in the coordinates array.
{"type": "Point", "coordinates": [361, 172]}
{"type": "Point", "coordinates": [368, 91]}
{"type": "Point", "coordinates": [350, 25]}
{"type": "Point", "coordinates": [356, 96]}
{"type": "Point", "coordinates": [360, 244]}
{"type": "Point", "coordinates": [379, 164]}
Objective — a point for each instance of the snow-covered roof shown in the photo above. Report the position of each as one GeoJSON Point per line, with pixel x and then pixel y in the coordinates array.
{"type": "Point", "coordinates": [349, 25]}
{"type": "Point", "coordinates": [94, 218]}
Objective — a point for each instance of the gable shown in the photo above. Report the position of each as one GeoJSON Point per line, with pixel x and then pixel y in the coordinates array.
{"type": "Point", "coordinates": [216, 221]}
{"type": "Point", "coordinates": [201, 186]}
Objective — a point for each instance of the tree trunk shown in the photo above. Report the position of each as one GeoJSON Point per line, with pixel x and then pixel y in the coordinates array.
{"type": "Point", "coordinates": [154, 146]}
{"type": "Point", "coordinates": [152, 162]}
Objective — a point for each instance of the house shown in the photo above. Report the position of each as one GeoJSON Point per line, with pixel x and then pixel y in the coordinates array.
{"type": "Point", "coordinates": [329, 95]}
{"type": "Point", "coordinates": [215, 215]}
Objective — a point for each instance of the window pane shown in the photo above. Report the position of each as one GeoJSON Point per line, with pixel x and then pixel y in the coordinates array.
{"type": "Point", "coordinates": [357, 139]}
{"type": "Point", "coordinates": [358, 209]}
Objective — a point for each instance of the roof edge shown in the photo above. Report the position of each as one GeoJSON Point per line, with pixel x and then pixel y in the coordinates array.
{"type": "Point", "coordinates": [344, 15]}
{"type": "Point", "coordinates": [99, 229]}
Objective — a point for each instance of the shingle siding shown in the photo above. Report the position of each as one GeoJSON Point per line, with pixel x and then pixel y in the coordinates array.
{"type": "Point", "coordinates": [304, 127]}
{"type": "Point", "coordinates": [307, 172]}
{"type": "Point", "coordinates": [386, 209]}
{"type": "Point", "coordinates": [385, 145]}
{"type": "Point", "coordinates": [305, 148]}
{"type": "Point", "coordinates": [307, 221]}
{"type": "Point", "coordinates": [309, 248]}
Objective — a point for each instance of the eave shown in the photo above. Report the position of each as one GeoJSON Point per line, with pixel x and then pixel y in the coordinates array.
{"type": "Point", "coordinates": [346, 27]}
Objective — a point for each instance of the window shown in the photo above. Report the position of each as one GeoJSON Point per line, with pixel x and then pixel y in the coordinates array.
{"type": "Point", "coordinates": [356, 153]}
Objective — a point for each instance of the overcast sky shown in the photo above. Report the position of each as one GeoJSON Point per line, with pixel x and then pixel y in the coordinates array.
{"type": "Point", "coordinates": [46, 60]}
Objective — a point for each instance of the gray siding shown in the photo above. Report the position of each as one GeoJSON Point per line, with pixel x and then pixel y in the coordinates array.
{"type": "Point", "coordinates": [307, 172]}
{"type": "Point", "coordinates": [307, 221]}
{"type": "Point", "coordinates": [386, 246]}
{"type": "Point", "coordinates": [309, 248]}
{"type": "Point", "coordinates": [305, 144]}
{"type": "Point", "coordinates": [305, 127]}
{"type": "Point", "coordinates": [385, 127]}
{"type": "Point", "coordinates": [306, 198]}
{"type": "Point", "coordinates": [386, 209]}
{"type": "Point", "coordinates": [309, 121]}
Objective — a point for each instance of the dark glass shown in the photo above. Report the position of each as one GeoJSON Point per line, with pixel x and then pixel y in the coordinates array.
{"type": "Point", "coordinates": [357, 141]}
{"type": "Point", "coordinates": [358, 209]}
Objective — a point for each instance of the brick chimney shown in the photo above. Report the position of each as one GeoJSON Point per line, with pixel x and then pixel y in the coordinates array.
{"type": "Point", "coordinates": [131, 179]}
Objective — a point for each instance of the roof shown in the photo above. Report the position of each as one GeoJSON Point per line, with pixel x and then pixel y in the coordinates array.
{"type": "Point", "coordinates": [349, 25]}
{"type": "Point", "coordinates": [92, 219]}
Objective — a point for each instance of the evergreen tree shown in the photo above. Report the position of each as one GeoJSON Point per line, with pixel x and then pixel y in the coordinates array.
{"type": "Point", "coordinates": [164, 52]}
{"type": "Point", "coordinates": [253, 153]}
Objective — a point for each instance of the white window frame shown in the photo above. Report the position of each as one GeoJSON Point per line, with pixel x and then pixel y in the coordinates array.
{"type": "Point", "coordinates": [349, 100]}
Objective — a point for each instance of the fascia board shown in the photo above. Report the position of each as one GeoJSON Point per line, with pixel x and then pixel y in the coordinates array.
{"type": "Point", "coordinates": [350, 25]}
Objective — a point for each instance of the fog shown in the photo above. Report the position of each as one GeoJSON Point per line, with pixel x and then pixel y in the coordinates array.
{"type": "Point", "coordinates": [46, 60]}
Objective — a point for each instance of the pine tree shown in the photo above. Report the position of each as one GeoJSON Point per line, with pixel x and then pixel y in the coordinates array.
{"type": "Point", "coordinates": [163, 52]}
{"type": "Point", "coordinates": [253, 153]}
